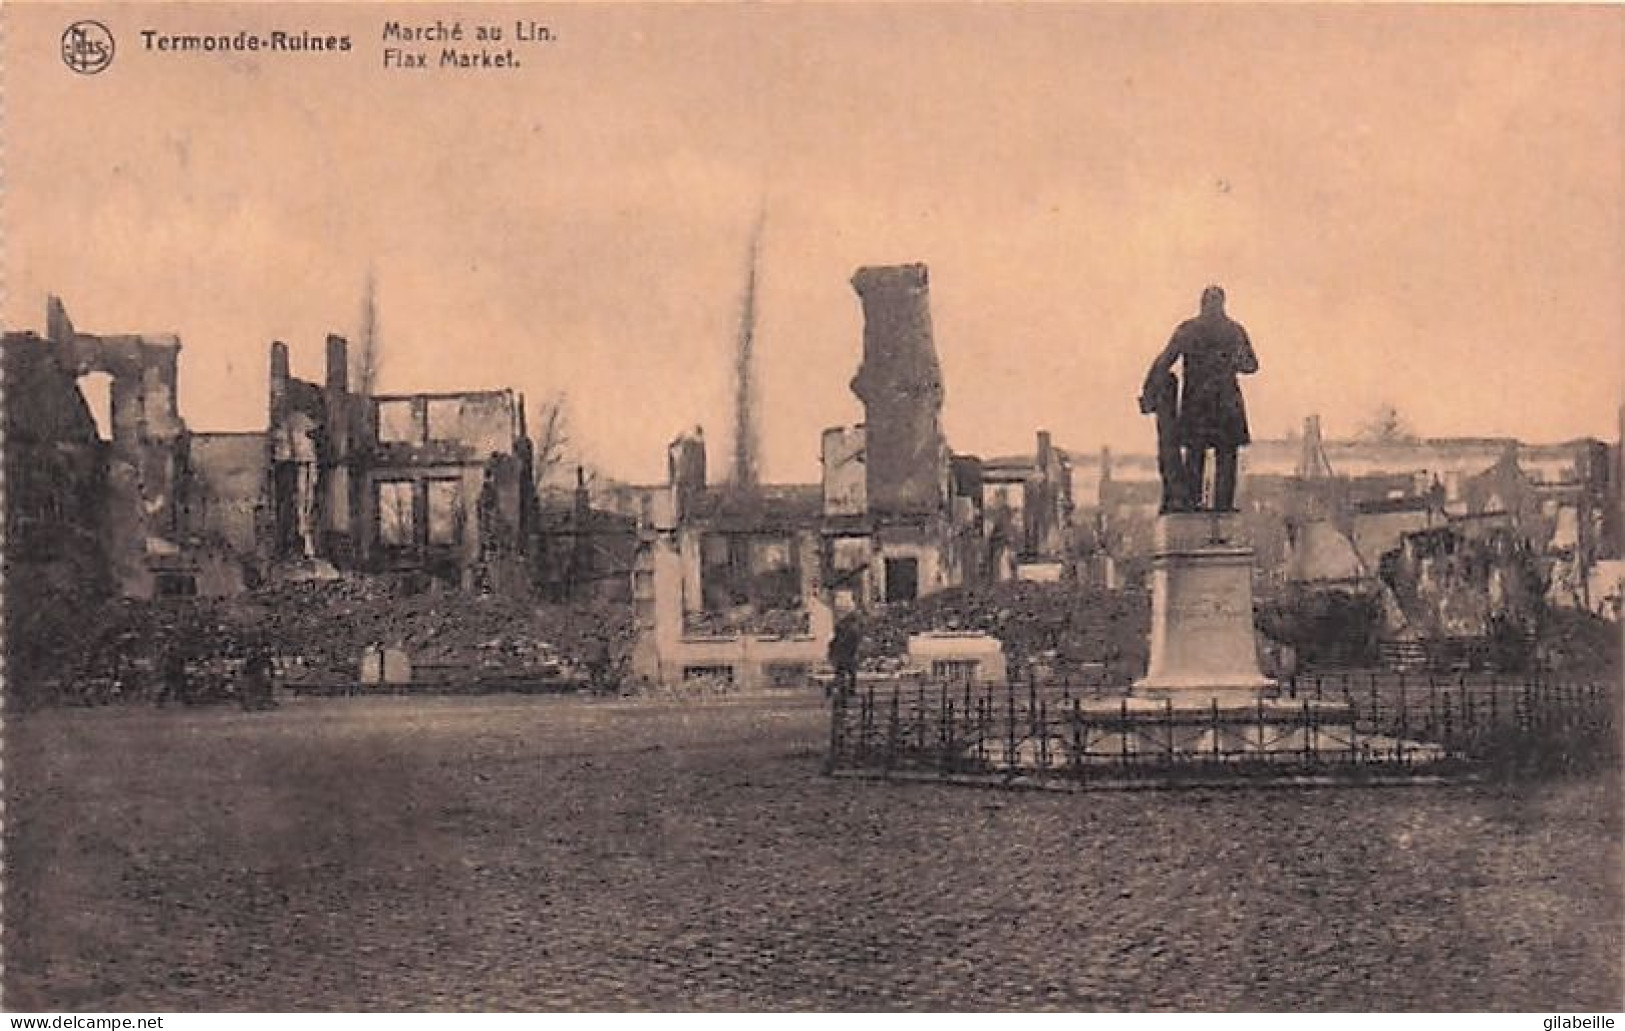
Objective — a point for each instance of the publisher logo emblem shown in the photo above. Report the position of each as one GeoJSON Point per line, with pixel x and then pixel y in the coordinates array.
{"type": "Point", "coordinates": [87, 47]}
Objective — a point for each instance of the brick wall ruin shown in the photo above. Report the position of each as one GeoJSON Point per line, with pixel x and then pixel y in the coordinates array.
{"type": "Point", "coordinates": [900, 385]}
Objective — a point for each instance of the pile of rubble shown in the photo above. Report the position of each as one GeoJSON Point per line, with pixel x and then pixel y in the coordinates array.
{"type": "Point", "coordinates": [330, 622]}
{"type": "Point", "coordinates": [748, 620]}
{"type": "Point", "coordinates": [318, 629]}
{"type": "Point", "coordinates": [1069, 626]}
{"type": "Point", "coordinates": [1575, 640]}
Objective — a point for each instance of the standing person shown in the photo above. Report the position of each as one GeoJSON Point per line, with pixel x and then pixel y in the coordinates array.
{"type": "Point", "coordinates": [598, 664]}
{"type": "Point", "coordinates": [1214, 349]}
{"type": "Point", "coordinates": [255, 692]}
{"type": "Point", "coordinates": [844, 646]}
{"type": "Point", "coordinates": [172, 684]}
{"type": "Point", "coordinates": [115, 673]}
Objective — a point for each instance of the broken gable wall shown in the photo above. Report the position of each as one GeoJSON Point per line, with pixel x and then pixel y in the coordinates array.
{"type": "Point", "coordinates": [148, 441]}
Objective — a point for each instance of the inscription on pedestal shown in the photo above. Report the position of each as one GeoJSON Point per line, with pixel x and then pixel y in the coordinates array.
{"type": "Point", "coordinates": [1205, 610]}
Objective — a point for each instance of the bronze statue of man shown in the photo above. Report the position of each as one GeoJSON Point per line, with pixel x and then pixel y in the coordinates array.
{"type": "Point", "coordinates": [1214, 350]}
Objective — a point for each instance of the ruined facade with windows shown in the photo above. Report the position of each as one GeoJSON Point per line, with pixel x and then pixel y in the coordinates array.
{"type": "Point", "coordinates": [447, 485]}
{"type": "Point", "coordinates": [145, 506]}
{"type": "Point", "coordinates": [743, 582]}
{"type": "Point", "coordinates": [726, 583]}
{"type": "Point", "coordinates": [438, 483]}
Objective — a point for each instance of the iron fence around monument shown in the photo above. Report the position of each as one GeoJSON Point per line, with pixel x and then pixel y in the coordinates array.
{"type": "Point", "coordinates": [1345, 725]}
{"type": "Point", "coordinates": [1539, 719]}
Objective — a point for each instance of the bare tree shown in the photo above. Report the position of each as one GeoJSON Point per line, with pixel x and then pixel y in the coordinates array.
{"type": "Point", "coordinates": [745, 471]}
{"type": "Point", "coordinates": [366, 361]}
{"type": "Point", "coordinates": [559, 462]}
{"type": "Point", "coordinates": [551, 442]}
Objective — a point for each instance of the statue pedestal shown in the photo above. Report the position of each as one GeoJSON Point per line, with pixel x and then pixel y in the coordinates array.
{"type": "Point", "coordinates": [1202, 645]}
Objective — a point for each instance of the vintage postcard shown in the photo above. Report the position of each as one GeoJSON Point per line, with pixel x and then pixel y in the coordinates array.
{"type": "Point", "coordinates": [713, 507]}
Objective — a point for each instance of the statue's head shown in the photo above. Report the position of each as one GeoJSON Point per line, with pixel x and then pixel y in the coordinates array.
{"type": "Point", "coordinates": [1213, 300]}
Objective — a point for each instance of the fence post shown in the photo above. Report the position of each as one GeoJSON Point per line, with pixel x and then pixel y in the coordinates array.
{"type": "Point", "coordinates": [894, 729]}
{"type": "Point", "coordinates": [1213, 709]}
{"type": "Point", "coordinates": [967, 708]}
{"type": "Point", "coordinates": [1433, 707]}
{"type": "Point", "coordinates": [1448, 735]}
{"type": "Point", "coordinates": [919, 716]}
{"type": "Point", "coordinates": [981, 730]}
{"type": "Point", "coordinates": [1122, 731]}
{"type": "Point", "coordinates": [1470, 722]}
{"type": "Point", "coordinates": [1043, 736]}
{"type": "Point", "coordinates": [1034, 721]}
{"type": "Point", "coordinates": [985, 713]}
{"type": "Point", "coordinates": [1168, 730]}
{"type": "Point", "coordinates": [1354, 732]}
{"type": "Point", "coordinates": [1263, 744]}
{"type": "Point", "coordinates": [1308, 736]}
{"type": "Point", "coordinates": [837, 716]}
{"type": "Point", "coordinates": [1404, 712]}
{"type": "Point", "coordinates": [868, 724]}
{"type": "Point", "coordinates": [1077, 733]}
{"type": "Point", "coordinates": [1010, 729]}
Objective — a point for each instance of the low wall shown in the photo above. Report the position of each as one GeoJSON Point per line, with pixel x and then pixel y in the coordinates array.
{"type": "Point", "coordinates": [745, 661]}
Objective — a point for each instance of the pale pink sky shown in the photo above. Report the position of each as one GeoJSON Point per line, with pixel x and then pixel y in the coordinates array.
{"type": "Point", "coordinates": [1417, 205]}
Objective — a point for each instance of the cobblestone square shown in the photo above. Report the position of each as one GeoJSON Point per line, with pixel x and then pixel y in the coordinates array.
{"type": "Point", "coordinates": [506, 853]}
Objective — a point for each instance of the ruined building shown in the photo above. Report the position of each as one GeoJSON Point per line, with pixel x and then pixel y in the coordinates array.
{"type": "Point", "coordinates": [1325, 510]}
{"type": "Point", "coordinates": [745, 585]}
{"type": "Point", "coordinates": [585, 553]}
{"type": "Point", "coordinates": [311, 485]}
{"type": "Point", "coordinates": [902, 515]}
{"type": "Point", "coordinates": [726, 586]}
{"type": "Point", "coordinates": [437, 483]}
{"type": "Point", "coordinates": [1027, 513]}
{"type": "Point", "coordinates": [120, 498]}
